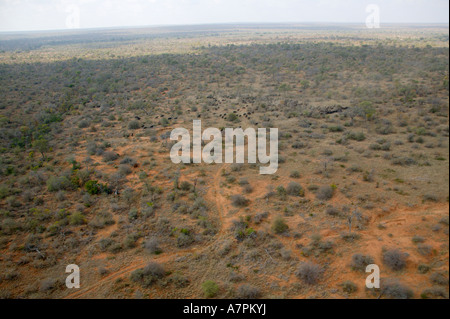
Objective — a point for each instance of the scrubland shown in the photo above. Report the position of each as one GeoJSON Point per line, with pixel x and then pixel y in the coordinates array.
{"type": "Point", "coordinates": [363, 177]}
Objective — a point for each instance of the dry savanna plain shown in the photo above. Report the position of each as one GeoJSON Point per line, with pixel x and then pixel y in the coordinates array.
{"type": "Point", "coordinates": [363, 177]}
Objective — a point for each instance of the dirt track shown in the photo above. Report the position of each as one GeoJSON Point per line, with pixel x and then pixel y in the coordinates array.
{"type": "Point", "coordinates": [219, 201]}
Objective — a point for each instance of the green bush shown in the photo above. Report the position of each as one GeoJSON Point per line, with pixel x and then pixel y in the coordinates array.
{"type": "Point", "coordinates": [77, 218]}
{"type": "Point", "coordinates": [210, 288]}
{"type": "Point", "coordinates": [279, 225]}
{"type": "Point", "coordinates": [356, 136]}
{"type": "Point", "coordinates": [94, 188]}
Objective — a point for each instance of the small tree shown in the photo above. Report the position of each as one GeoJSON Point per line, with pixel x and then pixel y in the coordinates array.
{"type": "Point", "coordinates": [355, 214]}
{"type": "Point", "coordinates": [41, 145]}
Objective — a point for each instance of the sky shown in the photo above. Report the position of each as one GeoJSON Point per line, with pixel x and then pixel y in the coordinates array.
{"type": "Point", "coordinates": [33, 15]}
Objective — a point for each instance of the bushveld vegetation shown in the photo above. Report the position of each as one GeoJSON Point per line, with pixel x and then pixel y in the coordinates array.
{"type": "Point", "coordinates": [86, 178]}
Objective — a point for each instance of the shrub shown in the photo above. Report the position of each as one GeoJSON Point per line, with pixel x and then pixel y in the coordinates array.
{"type": "Point", "coordinates": [47, 285]}
{"type": "Point", "coordinates": [133, 125]}
{"type": "Point", "coordinates": [325, 193]}
{"type": "Point", "coordinates": [281, 191]}
{"type": "Point", "coordinates": [243, 182]}
{"type": "Point", "coordinates": [185, 186]}
{"type": "Point", "coordinates": [92, 187]}
{"type": "Point", "coordinates": [444, 220]}
{"type": "Point", "coordinates": [309, 272]}
{"type": "Point", "coordinates": [404, 161]}
{"type": "Point", "coordinates": [124, 169]}
{"type": "Point", "coordinates": [110, 156]}
{"type": "Point", "coordinates": [332, 211]}
{"type": "Point", "coordinates": [349, 287]}
{"type": "Point", "coordinates": [395, 259]}
{"type": "Point", "coordinates": [258, 218]}
{"type": "Point", "coordinates": [396, 290]}
{"type": "Point", "coordinates": [232, 117]}
{"type": "Point", "coordinates": [430, 198]}
{"type": "Point", "coordinates": [239, 200]}
{"type": "Point", "coordinates": [424, 249]}
{"type": "Point", "coordinates": [128, 160]}
{"type": "Point", "coordinates": [247, 189]}
{"type": "Point", "coordinates": [418, 239]}
{"type": "Point", "coordinates": [295, 174]}
{"type": "Point", "coordinates": [149, 274]}
{"type": "Point", "coordinates": [210, 288]}
{"type": "Point", "coordinates": [133, 214]}
{"type": "Point", "coordinates": [439, 279]}
{"type": "Point", "coordinates": [55, 184]}
{"type": "Point", "coordinates": [77, 218]}
{"type": "Point", "coordinates": [83, 124]}
{"type": "Point", "coordinates": [434, 291]}
{"type": "Point", "coordinates": [298, 145]}
{"type": "Point", "coordinates": [152, 246]}
{"type": "Point", "coordinates": [359, 136]}
{"type": "Point", "coordinates": [130, 240]}
{"type": "Point", "coordinates": [246, 291]}
{"type": "Point", "coordinates": [154, 269]}
{"type": "Point", "coordinates": [295, 189]}
{"type": "Point", "coordinates": [360, 262]}
{"type": "Point", "coordinates": [184, 239]}
{"type": "Point", "coordinates": [279, 225]}
{"type": "Point", "coordinates": [423, 269]}
{"type": "Point", "coordinates": [180, 281]}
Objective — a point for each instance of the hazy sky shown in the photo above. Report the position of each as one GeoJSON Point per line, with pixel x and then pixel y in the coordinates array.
{"type": "Point", "coordinates": [19, 15]}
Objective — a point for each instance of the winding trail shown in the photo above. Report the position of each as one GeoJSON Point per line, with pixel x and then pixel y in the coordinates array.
{"type": "Point", "coordinates": [213, 192]}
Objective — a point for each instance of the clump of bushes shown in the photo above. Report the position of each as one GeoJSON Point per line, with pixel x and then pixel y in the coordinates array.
{"type": "Point", "coordinates": [186, 186]}
{"type": "Point", "coordinates": [396, 290]}
{"type": "Point", "coordinates": [55, 184]}
{"type": "Point", "coordinates": [295, 189]}
{"type": "Point", "coordinates": [404, 161]}
{"type": "Point", "coordinates": [309, 272]}
{"type": "Point", "coordinates": [418, 239]}
{"type": "Point", "coordinates": [325, 193]}
{"type": "Point", "coordinates": [360, 262]}
{"type": "Point", "coordinates": [356, 136]}
{"type": "Point", "coordinates": [439, 278]}
{"type": "Point", "coordinates": [295, 174]}
{"type": "Point", "coordinates": [110, 156]}
{"type": "Point", "coordinates": [349, 287]}
{"type": "Point", "coordinates": [232, 117]}
{"type": "Point", "coordinates": [332, 211]}
{"type": "Point", "coordinates": [246, 291]}
{"type": "Point", "coordinates": [133, 125]}
{"type": "Point", "coordinates": [239, 201]}
{"type": "Point", "coordinates": [94, 188]}
{"type": "Point", "coordinates": [394, 259]}
{"type": "Point", "coordinates": [425, 249]}
{"type": "Point", "coordinates": [149, 274]}
{"type": "Point", "coordinates": [210, 288]}
{"type": "Point", "coordinates": [77, 218]}
{"type": "Point", "coordinates": [279, 226]}
{"type": "Point", "coordinates": [434, 292]}
{"type": "Point", "coordinates": [152, 246]}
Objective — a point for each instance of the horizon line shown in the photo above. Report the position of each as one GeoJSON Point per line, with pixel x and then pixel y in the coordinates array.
{"type": "Point", "coordinates": [223, 23]}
